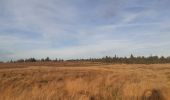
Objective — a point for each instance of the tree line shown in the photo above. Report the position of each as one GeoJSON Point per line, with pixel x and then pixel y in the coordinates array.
{"type": "Point", "coordinates": [47, 59]}
{"type": "Point", "coordinates": [108, 59]}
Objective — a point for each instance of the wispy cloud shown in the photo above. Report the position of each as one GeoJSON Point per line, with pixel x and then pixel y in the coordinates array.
{"type": "Point", "coordinates": [83, 28]}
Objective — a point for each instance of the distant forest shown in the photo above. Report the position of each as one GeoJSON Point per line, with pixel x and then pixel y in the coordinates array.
{"type": "Point", "coordinates": [108, 59]}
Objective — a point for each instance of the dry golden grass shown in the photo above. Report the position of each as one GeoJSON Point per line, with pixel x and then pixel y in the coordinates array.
{"type": "Point", "coordinates": [80, 82]}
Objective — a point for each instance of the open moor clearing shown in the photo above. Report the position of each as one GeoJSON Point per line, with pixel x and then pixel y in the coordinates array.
{"type": "Point", "coordinates": [84, 82]}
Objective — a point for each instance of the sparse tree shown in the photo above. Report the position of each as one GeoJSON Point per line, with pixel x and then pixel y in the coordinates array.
{"type": "Point", "coordinates": [47, 59]}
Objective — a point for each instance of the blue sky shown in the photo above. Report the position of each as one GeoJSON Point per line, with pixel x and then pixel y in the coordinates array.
{"type": "Point", "coordinates": [83, 28]}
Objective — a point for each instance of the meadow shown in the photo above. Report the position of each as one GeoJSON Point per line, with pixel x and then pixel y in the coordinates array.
{"type": "Point", "coordinates": [84, 81]}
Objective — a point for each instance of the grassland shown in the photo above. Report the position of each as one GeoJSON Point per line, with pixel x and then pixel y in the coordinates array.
{"type": "Point", "coordinates": [84, 81]}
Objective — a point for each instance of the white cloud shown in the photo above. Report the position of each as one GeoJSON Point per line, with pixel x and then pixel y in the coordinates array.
{"type": "Point", "coordinates": [90, 50]}
{"type": "Point", "coordinates": [94, 28]}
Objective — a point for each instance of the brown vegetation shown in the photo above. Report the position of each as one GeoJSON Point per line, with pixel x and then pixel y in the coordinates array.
{"type": "Point", "coordinates": [85, 81]}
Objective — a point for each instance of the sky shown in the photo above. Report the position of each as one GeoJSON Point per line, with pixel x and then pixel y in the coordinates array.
{"type": "Point", "coordinates": [72, 29]}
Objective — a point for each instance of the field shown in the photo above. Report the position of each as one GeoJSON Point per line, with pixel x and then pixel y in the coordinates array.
{"type": "Point", "coordinates": [84, 81]}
